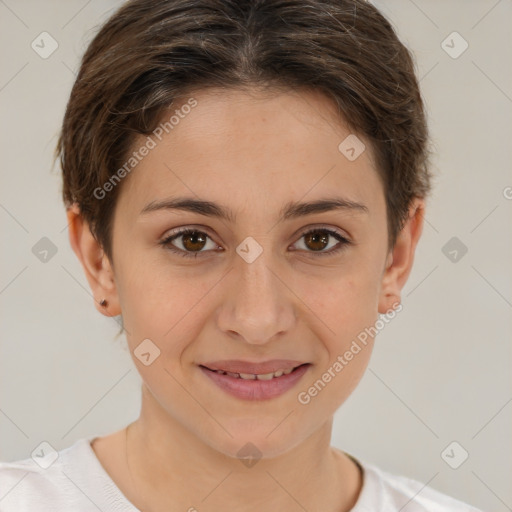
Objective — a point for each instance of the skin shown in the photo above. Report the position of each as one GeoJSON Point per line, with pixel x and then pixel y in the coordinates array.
{"type": "Point", "coordinates": [233, 148]}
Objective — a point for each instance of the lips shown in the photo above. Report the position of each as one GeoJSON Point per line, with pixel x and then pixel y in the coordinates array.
{"type": "Point", "coordinates": [256, 386]}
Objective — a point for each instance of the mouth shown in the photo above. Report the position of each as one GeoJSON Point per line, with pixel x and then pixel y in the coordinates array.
{"type": "Point", "coordinates": [256, 376]}
{"type": "Point", "coordinates": [255, 384]}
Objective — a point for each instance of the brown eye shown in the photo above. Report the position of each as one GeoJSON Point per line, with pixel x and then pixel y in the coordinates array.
{"type": "Point", "coordinates": [194, 241]}
{"type": "Point", "coordinates": [316, 240]}
{"type": "Point", "coordinates": [191, 243]}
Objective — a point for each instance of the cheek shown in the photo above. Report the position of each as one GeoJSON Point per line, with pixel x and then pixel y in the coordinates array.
{"type": "Point", "coordinates": [348, 302]}
{"type": "Point", "coordinates": [349, 309]}
{"type": "Point", "coordinates": [165, 305]}
{"type": "Point", "coordinates": [164, 310]}
{"type": "Point", "coordinates": [334, 383]}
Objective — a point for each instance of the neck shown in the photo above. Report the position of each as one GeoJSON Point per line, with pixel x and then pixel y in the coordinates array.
{"type": "Point", "coordinates": [175, 470]}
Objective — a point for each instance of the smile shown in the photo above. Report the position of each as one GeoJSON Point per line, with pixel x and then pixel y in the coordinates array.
{"type": "Point", "coordinates": [256, 386]}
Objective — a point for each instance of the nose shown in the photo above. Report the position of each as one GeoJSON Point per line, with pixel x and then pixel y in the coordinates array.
{"type": "Point", "coordinates": [257, 305]}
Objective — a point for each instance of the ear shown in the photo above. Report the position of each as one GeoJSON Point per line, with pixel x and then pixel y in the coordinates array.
{"type": "Point", "coordinates": [400, 258]}
{"type": "Point", "coordinates": [96, 265]}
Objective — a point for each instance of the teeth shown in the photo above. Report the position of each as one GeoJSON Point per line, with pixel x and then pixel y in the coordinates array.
{"type": "Point", "coordinates": [265, 376]}
{"type": "Point", "coordinates": [252, 376]}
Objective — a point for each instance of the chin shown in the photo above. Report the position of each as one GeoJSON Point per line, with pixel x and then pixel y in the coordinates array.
{"type": "Point", "coordinates": [249, 451]}
{"type": "Point", "coordinates": [256, 439]}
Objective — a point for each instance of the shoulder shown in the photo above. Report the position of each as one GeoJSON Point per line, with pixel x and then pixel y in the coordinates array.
{"type": "Point", "coordinates": [24, 486]}
{"type": "Point", "coordinates": [40, 483]}
{"type": "Point", "coordinates": [388, 492]}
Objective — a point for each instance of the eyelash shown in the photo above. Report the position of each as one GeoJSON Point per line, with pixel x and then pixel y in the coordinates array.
{"type": "Point", "coordinates": [187, 254]}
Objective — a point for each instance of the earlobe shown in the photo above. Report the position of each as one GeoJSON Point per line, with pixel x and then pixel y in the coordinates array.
{"type": "Point", "coordinates": [96, 265]}
{"type": "Point", "coordinates": [400, 259]}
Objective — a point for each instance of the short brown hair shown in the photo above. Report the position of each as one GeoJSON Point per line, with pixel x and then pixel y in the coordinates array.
{"type": "Point", "coordinates": [150, 52]}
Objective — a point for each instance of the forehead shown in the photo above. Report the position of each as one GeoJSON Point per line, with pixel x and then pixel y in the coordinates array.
{"type": "Point", "coordinates": [253, 151]}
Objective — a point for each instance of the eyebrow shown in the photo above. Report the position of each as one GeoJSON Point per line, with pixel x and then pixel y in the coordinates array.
{"type": "Point", "coordinates": [291, 210]}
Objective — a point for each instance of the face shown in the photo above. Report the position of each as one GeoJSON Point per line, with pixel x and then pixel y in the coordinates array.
{"type": "Point", "coordinates": [269, 280]}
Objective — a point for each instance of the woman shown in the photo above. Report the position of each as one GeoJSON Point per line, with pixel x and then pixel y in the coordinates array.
{"type": "Point", "coordinates": [245, 184]}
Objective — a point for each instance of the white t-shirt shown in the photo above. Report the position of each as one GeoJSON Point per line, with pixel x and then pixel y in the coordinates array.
{"type": "Point", "coordinates": [77, 482]}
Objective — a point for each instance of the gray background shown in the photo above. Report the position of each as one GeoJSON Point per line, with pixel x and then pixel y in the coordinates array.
{"type": "Point", "coordinates": [440, 372]}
